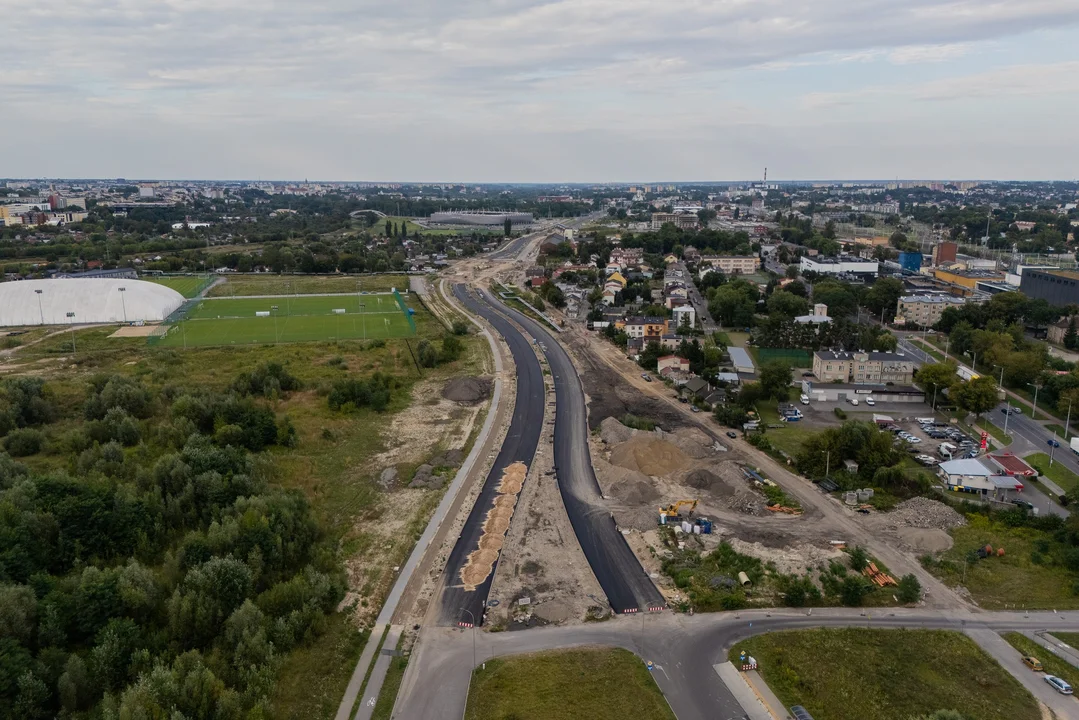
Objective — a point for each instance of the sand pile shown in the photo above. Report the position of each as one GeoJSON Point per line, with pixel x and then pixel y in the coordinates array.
{"type": "Point", "coordinates": [693, 442]}
{"type": "Point", "coordinates": [788, 560]}
{"type": "Point", "coordinates": [923, 540]}
{"type": "Point", "coordinates": [703, 479]}
{"type": "Point", "coordinates": [467, 390]}
{"type": "Point", "coordinates": [650, 456]}
{"type": "Point", "coordinates": [481, 562]}
{"type": "Point", "coordinates": [614, 432]}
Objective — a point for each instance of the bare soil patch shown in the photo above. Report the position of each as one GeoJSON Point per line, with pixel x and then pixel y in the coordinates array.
{"type": "Point", "coordinates": [467, 389]}
{"type": "Point", "coordinates": [127, 331]}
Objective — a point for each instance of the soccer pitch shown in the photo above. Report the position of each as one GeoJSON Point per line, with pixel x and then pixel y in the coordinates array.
{"type": "Point", "coordinates": [303, 318]}
{"type": "Point", "coordinates": [189, 286]}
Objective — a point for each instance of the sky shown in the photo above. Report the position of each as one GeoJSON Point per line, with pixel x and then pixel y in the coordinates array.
{"type": "Point", "coordinates": [537, 91]}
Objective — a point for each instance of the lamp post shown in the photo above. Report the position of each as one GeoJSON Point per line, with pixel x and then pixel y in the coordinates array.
{"type": "Point", "coordinates": [363, 318]}
{"type": "Point", "coordinates": [473, 635]}
{"type": "Point", "coordinates": [1053, 445]}
{"type": "Point", "coordinates": [123, 302]}
{"type": "Point", "coordinates": [40, 311]}
{"type": "Point", "coordinates": [288, 299]}
{"type": "Point", "coordinates": [827, 463]}
{"type": "Point", "coordinates": [1034, 414]}
{"type": "Point", "coordinates": [71, 324]}
{"type": "Point", "coordinates": [1007, 407]}
{"type": "Point", "coordinates": [273, 309]}
{"type": "Point", "coordinates": [947, 344]}
{"type": "Point", "coordinates": [1067, 422]}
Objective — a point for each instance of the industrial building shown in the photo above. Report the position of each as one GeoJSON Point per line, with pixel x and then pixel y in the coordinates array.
{"type": "Point", "coordinates": [843, 392]}
{"type": "Point", "coordinates": [1057, 287]}
{"type": "Point", "coordinates": [88, 300]}
{"type": "Point", "coordinates": [968, 279]}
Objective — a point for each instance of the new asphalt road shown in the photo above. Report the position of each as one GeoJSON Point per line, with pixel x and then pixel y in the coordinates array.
{"type": "Point", "coordinates": [458, 604]}
{"type": "Point", "coordinates": [683, 649]}
{"type": "Point", "coordinates": [624, 581]}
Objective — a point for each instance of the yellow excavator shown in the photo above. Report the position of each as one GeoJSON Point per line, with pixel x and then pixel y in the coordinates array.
{"type": "Point", "coordinates": [671, 512]}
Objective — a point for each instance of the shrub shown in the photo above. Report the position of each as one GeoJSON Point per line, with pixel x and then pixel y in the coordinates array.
{"type": "Point", "coordinates": [859, 558]}
{"type": "Point", "coordinates": [910, 590]}
{"type": "Point", "coordinates": [839, 413]}
{"type": "Point", "coordinates": [460, 327]}
{"type": "Point", "coordinates": [375, 392]}
{"type": "Point", "coordinates": [267, 380]}
{"type": "Point", "coordinates": [23, 442]}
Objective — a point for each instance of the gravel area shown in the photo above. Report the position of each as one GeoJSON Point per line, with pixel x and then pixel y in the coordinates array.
{"type": "Point", "coordinates": [924, 513]}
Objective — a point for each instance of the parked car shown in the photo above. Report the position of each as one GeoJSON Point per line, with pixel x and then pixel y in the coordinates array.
{"type": "Point", "coordinates": [1061, 686]}
{"type": "Point", "coordinates": [854, 402]}
{"type": "Point", "coordinates": [694, 408]}
{"type": "Point", "coordinates": [804, 399]}
{"type": "Point", "coordinates": [1033, 663]}
{"type": "Point", "coordinates": [732, 434]}
{"type": "Point", "coordinates": [870, 402]}
{"type": "Point", "coordinates": [647, 377]}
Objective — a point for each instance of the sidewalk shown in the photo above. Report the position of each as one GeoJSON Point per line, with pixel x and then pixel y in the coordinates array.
{"type": "Point", "coordinates": [1010, 659]}
{"type": "Point", "coordinates": [743, 692]}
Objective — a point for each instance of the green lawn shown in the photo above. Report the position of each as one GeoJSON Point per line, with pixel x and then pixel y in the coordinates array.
{"type": "Point", "coordinates": [930, 349]}
{"type": "Point", "coordinates": [593, 683]}
{"type": "Point", "coordinates": [861, 674]}
{"type": "Point", "coordinates": [308, 318]}
{"type": "Point", "coordinates": [789, 439]}
{"type": "Point", "coordinates": [187, 285]}
{"type": "Point", "coordinates": [1014, 581]}
{"type": "Point", "coordinates": [1052, 664]}
{"type": "Point", "coordinates": [271, 284]}
{"type": "Point", "coordinates": [1059, 474]}
{"type": "Point", "coordinates": [1069, 638]}
{"type": "Point", "coordinates": [313, 677]}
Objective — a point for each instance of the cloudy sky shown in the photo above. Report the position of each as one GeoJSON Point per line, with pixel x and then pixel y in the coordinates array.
{"type": "Point", "coordinates": [537, 91]}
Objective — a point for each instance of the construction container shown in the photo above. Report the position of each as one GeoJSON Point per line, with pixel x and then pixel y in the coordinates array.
{"type": "Point", "coordinates": [663, 518]}
{"type": "Point", "coordinates": [851, 498]}
{"type": "Point", "coordinates": [868, 492]}
{"type": "Point", "coordinates": [864, 495]}
{"type": "Point", "coordinates": [687, 527]}
{"type": "Point", "coordinates": [743, 579]}
{"type": "Point", "coordinates": [696, 529]}
{"type": "Point", "coordinates": [705, 525]}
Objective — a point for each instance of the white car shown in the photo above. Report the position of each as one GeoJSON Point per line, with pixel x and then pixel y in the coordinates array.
{"type": "Point", "coordinates": [1059, 685]}
{"type": "Point", "coordinates": [804, 399]}
{"type": "Point", "coordinates": [854, 402]}
{"type": "Point", "coordinates": [870, 402]}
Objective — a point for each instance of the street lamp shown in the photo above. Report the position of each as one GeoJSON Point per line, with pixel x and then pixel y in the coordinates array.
{"type": "Point", "coordinates": [473, 635]}
{"type": "Point", "coordinates": [123, 302]}
{"type": "Point", "coordinates": [273, 308]}
{"type": "Point", "coordinates": [1067, 422]}
{"type": "Point", "coordinates": [363, 317]}
{"type": "Point", "coordinates": [1007, 406]}
{"type": "Point", "coordinates": [40, 311]}
{"type": "Point", "coordinates": [71, 324]}
{"type": "Point", "coordinates": [1034, 414]}
{"type": "Point", "coordinates": [1053, 445]}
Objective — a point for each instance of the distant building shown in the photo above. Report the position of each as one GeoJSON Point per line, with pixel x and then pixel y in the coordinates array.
{"type": "Point", "coordinates": [732, 264]}
{"type": "Point", "coordinates": [840, 266]}
{"type": "Point", "coordinates": [925, 310]}
{"type": "Point", "coordinates": [683, 222]}
{"type": "Point", "coordinates": [147, 190]}
{"type": "Point", "coordinates": [966, 278]}
{"type": "Point", "coordinates": [863, 367]}
{"type": "Point", "coordinates": [974, 477]}
{"type": "Point", "coordinates": [672, 362]}
{"type": "Point", "coordinates": [652, 328]}
{"type": "Point", "coordinates": [819, 316]}
{"type": "Point", "coordinates": [1059, 329]}
{"type": "Point", "coordinates": [114, 273]}
{"type": "Point", "coordinates": [944, 253]}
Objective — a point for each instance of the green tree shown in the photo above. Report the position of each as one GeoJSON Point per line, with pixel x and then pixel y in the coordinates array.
{"type": "Point", "coordinates": [884, 297]}
{"type": "Point", "coordinates": [910, 590]}
{"type": "Point", "coordinates": [775, 380]}
{"type": "Point", "coordinates": [787, 304]}
{"type": "Point", "coordinates": [859, 558]}
{"type": "Point", "coordinates": [507, 227]}
{"type": "Point", "coordinates": [852, 590]}
{"type": "Point", "coordinates": [936, 377]}
{"type": "Point", "coordinates": [389, 228]}
{"type": "Point", "coordinates": [1071, 337]}
{"type": "Point", "coordinates": [829, 230]}
{"type": "Point", "coordinates": [976, 396]}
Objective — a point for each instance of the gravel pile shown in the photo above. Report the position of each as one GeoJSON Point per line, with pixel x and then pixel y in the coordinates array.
{"type": "Point", "coordinates": [614, 432]}
{"type": "Point", "coordinates": [467, 390]}
{"type": "Point", "coordinates": [922, 512]}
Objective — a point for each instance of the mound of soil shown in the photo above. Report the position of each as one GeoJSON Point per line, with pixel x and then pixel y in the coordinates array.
{"type": "Point", "coordinates": [469, 390]}
{"type": "Point", "coordinates": [650, 456]}
{"type": "Point", "coordinates": [703, 479]}
{"type": "Point", "coordinates": [613, 432]}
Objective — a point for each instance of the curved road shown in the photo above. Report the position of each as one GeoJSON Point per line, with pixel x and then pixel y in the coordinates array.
{"type": "Point", "coordinates": [624, 581]}
{"type": "Point", "coordinates": [520, 444]}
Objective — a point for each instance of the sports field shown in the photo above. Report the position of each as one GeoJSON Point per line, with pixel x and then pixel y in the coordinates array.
{"type": "Point", "coordinates": [270, 284]}
{"type": "Point", "coordinates": [305, 318]}
{"type": "Point", "coordinates": [187, 285]}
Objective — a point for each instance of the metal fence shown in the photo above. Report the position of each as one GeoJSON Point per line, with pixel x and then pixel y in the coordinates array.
{"type": "Point", "coordinates": [405, 310]}
{"type": "Point", "coordinates": [795, 358]}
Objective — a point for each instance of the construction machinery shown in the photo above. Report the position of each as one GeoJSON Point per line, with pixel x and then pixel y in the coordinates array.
{"type": "Point", "coordinates": [672, 511]}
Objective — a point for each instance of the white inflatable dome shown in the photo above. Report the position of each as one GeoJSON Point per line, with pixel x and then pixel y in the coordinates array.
{"type": "Point", "coordinates": [92, 300]}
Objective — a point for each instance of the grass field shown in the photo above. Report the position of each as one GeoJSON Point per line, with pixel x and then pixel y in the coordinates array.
{"type": "Point", "coordinates": [304, 318]}
{"type": "Point", "coordinates": [594, 683]}
{"type": "Point", "coordinates": [860, 674]}
{"type": "Point", "coordinates": [1014, 581]}
{"type": "Point", "coordinates": [270, 284]}
{"type": "Point", "coordinates": [1052, 664]}
{"type": "Point", "coordinates": [1059, 474]}
{"type": "Point", "coordinates": [188, 285]}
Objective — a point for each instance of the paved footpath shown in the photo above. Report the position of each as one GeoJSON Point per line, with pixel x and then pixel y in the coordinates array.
{"type": "Point", "coordinates": [1012, 661]}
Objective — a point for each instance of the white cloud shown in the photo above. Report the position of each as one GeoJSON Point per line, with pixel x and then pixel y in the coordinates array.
{"type": "Point", "coordinates": [472, 70]}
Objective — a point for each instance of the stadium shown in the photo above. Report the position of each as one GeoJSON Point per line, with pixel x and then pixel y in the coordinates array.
{"type": "Point", "coordinates": [92, 300]}
{"type": "Point", "coordinates": [480, 217]}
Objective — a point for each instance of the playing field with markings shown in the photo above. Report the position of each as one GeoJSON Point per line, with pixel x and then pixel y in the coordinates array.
{"type": "Point", "coordinates": [188, 285]}
{"type": "Point", "coordinates": [304, 318]}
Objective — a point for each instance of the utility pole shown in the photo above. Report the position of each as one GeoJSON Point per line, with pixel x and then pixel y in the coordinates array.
{"type": "Point", "coordinates": [71, 324]}
{"type": "Point", "coordinates": [363, 317]}
{"type": "Point", "coordinates": [123, 302]}
{"type": "Point", "coordinates": [827, 463]}
{"type": "Point", "coordinates": [1007, 406]}
{"type": "Point", "coordinates": [273, 308]}
{"type": "Point", "coordinates": [1067, 423]}
{"type": "Point", "coordinates": [39, 309]}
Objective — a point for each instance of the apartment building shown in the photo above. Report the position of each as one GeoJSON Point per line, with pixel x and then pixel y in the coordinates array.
{"type": "Point", "coordinates": [925, 310]}
{"type": "Point", "coordinates": [652, 328]}
{"type": "Point", "coordinates": [732, 264]}
{"type": "Point", "coordinates": [861, 368]}
{"type": "Point", "coordinates": [684, 222]}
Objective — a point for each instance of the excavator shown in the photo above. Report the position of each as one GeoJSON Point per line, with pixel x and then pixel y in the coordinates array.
{"type": "Point", "coordinates": [671, 512]}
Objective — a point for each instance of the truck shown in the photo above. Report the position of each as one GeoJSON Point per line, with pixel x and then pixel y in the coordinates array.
{"type": "Point", "coordinates": [1075, 445]}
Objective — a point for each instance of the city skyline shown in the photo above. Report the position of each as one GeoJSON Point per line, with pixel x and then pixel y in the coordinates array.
{"type": "Point", "coordinates": [542, 92]}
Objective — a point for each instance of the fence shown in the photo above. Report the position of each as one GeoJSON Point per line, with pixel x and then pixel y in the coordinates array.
{"type": "Point", "coordinates": [405, 310]}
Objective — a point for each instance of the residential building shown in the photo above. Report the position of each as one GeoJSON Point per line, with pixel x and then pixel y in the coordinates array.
{"type": "Point", "coordinates": [840, 266]}
{"type": "Point", "coordinates": [1057, 287]}
{"type": "Point", "coordinates": [684, 222]}
{"type": "Point", "coordinates": [652, 328]}
{"type": "Point", "coordinates": [1059, 329]}
{"type": "Point", "coordinates": [672, 362]}
{"type": "Point", "coordinates": [684, 316]}
{"type": "Point", "coordinates": [617, 277]}
{"type": "Point", "coordinates": [925, 310]}
{"type": "Point", "coordinates": [863, 367]}
{"type": "Point", "coordinates": [732, 264]}
{"type": "Point", "coordinates": [697, 387]}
